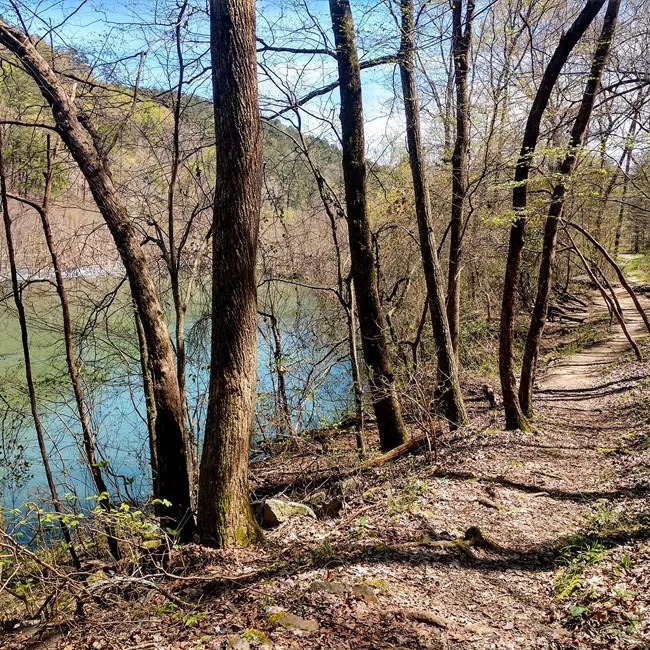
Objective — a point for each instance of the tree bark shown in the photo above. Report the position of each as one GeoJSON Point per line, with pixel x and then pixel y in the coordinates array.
{"type": "Point", "coordinates": [461, 45]}
{"type": "Point", "coordinates": [81, 140]}
{"type": "Point", "coordinates": [224, 513]}
{"type": "Point", "coordinates": [392, 431]}
{"type": "Point", "coordinates": [515, 419]}
{"type": "Point", "coordinates": [449, 384]}
{"type": "Point", "coordinates": [545, 278]}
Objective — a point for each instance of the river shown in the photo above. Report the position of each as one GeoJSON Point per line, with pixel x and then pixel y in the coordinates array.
{"type": "Point", "coordinates": [317, 379]}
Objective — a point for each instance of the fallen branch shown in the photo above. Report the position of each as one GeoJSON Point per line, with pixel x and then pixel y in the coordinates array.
{"type": "Point", "coordinates": [410, 447]}
{"type": "Point", "coordinates": [327, 476]}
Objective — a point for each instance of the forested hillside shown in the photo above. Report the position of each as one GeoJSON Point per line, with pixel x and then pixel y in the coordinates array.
{"type": "Point", "coordinates": [324, 324]}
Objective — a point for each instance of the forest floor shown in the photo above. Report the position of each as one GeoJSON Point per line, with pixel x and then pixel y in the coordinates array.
{"type": "Point", "coordinates": [506, 540]}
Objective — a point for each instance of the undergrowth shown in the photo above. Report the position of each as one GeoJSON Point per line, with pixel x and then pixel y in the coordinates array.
{"type": "Point", "coordinates": [597, 570]}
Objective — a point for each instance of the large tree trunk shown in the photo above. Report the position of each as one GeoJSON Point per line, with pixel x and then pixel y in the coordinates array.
{"type": "Point", "coordinates": [461, 45]}
{"type": "Point", "coordinates": [81, 140]}
{"type": "Point", "coordinates": [515, 419]}
{"type": "Point", "coordinates": [449, 388]}
{"type": "Point", "coordinates": [392, 431]}
{"type": "Point", "coordinates": [224, 512]}
{"type": "Point", "coordinates": [538, 319]}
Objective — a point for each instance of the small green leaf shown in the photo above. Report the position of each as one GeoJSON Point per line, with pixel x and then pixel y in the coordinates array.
{"type": "Point", "coordinates": [577, 611]}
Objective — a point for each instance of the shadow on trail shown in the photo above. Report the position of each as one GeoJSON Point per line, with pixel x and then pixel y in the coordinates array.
{"type": "Point", "coordinates": [544, 557]}
{"type": "Point", "coordinates": [582, 397]}
{"type": "Point", "coordinates": [581, 496]}
{"type": "Point", "coordinates": [591, 389]}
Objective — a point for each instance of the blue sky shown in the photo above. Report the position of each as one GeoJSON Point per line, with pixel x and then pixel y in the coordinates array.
{"type": "Point", "coordinates": [116, 28]}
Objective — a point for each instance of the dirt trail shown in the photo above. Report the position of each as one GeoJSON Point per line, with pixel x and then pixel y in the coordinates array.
{"type": "Point", "coordinates": [526, 493]}
{"type": "Point", "coordinates": [544, 486]}
{"type": "Point", "coordinates": [584, 370]}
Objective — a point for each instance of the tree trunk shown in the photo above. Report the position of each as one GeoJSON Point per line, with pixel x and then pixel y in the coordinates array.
{"type": "Point", "coordinates": [24, 337]}
{"type": "Point", "coordinates": [461, 45]}
{"type": "Point", "coordinates": [392, 431]}
{"type": "Point", "coordinates": [449, 385]}
{"type": "Point", "coordinates": [83, 143]}
{"type": "Point", "coordinates": [224, 513]}
{"type": "Point", "coordinates": [515, 419]}
{"type": "Point", "coordinates": [544, 283]}
{"type": "Point", "coordinates": [88, 435]}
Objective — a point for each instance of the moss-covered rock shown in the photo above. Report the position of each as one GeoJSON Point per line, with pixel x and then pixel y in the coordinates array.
{"type": "Point", "coordinates": [275, 511]}
{"type": "Point", "coordinates": [292, 622]}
